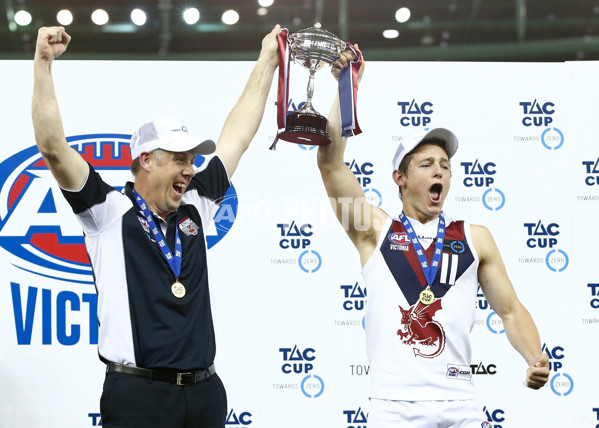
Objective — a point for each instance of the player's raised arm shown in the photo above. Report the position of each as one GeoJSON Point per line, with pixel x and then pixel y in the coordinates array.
{"type": "Point", "coordinates": [361, 220]}
{"type": "Point", "coordinates": [67, 166]}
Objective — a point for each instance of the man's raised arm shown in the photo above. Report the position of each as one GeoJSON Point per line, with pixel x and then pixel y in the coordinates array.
{"type": "Point", "coordinates": [67, 166]}
{"type": "Point", "coordinates": [243, 121]}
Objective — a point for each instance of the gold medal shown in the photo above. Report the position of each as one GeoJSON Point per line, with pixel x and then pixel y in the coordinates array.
{"type": "Point", "coordinates": [178, 289]}
{"type": "Point", "coordinates": [427, 296]}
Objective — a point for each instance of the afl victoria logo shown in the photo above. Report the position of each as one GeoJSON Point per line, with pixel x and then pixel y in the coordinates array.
{"type": "Point", "coordinates": [38, 227]}
{"type": "Point", "coordinates": [399, 238]}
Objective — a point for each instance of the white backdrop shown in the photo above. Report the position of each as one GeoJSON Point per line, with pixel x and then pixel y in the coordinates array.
{"type": "Point", "coordinates": [287, 293]}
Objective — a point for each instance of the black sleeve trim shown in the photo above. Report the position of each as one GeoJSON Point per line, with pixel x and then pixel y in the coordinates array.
{"type": "Point", "coordinates": [93, 192]}
{"type": "Point", "coordinates": [212, 182]}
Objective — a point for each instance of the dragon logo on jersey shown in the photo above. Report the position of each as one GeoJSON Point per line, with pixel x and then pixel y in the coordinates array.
{"type": "Point", "coordinates": [421, 329]}
{"type": "Point", "coordinates": [188, 227]}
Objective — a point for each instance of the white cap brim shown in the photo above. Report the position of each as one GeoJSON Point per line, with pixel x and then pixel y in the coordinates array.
{"type": "Point", "coordinates": [200, 147]}
{"type": "Point", "coordinates": [406, 146]}
{"type": "Point", "coordinates": [181, 144]}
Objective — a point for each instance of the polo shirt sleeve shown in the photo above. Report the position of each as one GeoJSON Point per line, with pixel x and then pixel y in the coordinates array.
{"type": "Point", "coordinates": [207, 189]}
{"type": "Point", "coordinates": [96, 204]}
{"type": "Point", "coordinates": [211, 181]}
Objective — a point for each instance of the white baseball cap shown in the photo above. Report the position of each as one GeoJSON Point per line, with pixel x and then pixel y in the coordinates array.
{"type": "Point", "coordinates": [408, 144]}
{"type": "Point", "coordinates": [167, 134]}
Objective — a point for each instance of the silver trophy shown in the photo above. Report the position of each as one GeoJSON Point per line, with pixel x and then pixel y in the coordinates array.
{"type": "Point", "coordinates": [312, 48]}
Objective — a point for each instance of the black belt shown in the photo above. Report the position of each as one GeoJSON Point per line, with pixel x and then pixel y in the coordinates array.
{"type": "Point", "coordinates": [181, 378]}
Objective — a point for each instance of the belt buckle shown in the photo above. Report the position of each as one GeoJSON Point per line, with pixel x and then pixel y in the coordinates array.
{"type": "Point", "coordinates": [187, 378]}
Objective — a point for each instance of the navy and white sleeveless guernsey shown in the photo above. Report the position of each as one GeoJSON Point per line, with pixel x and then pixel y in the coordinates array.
{"type": "Point", "coordinates": [141, 322]}
{"type": "Point", "coordinates": [416, 351]}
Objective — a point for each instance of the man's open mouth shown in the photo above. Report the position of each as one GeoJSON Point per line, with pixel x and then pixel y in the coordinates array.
{"type": "Point", "coordinates": [179, 187]}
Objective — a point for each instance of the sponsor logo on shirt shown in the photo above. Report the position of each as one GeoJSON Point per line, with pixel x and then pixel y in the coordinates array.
{"type": "Point", "coordinates": [459, 372]}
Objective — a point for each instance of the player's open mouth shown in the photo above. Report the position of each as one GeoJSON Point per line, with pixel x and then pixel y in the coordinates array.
{"type": "Point", "coordinates": [435, 192]}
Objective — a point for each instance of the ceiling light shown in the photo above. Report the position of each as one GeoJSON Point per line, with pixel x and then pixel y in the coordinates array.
{"type": "Point", "coordinates": [262, 11]}
{"type": "Point", "coordinates": [265, 3]}
{"type": "Point", "coordinates": [99, 17]}
{"type": "Point", "coordinates": [23, 18]}
{"type": "Point", "coordinates": [64, 17]}
{"type": "Point", "coordinates": [191, 15]}
{"type": "Point", "coordinates": [138, 17]}
{"type": "Point", "coordinates": [390, 34]}
{"type": "Point", "coordinates": [230, 17]}
{"type": "Point", "coordinates": [427, 39]}
{"type": "Point", "coordinates": [402, 14]}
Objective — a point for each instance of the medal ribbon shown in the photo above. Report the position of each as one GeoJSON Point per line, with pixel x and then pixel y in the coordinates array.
{"type": "Point", "coordinates": [173, 260]}
{"type": "Point", "coordinates": [348, 95]}
{"type": "Point", "coordinates": [283, 92]}
{"type": "Point", "coordinates": [430, 271]}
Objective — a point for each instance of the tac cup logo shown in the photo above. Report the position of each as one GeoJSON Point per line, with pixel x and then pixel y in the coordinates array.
{"type": "Point", "coordinates": [38, 227]}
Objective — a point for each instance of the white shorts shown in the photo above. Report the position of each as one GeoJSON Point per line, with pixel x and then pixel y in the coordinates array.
{"type": "Point", "coordinates": [426, 414]}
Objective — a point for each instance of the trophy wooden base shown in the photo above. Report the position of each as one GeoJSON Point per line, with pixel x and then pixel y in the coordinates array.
{"type": "Point", "coordinates": [306, 128]}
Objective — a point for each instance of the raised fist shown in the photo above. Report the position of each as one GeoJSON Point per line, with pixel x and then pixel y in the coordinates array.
{"type": "Point", "coordinates": [51, 43]}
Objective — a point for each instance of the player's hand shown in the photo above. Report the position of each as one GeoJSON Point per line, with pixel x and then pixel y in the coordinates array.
{"type": "Point", "coordinates": [537, 374]}
{"type": "Point", "coordinates": [51, 43]}
{"type": "Point", "coordinates": [345, 59]}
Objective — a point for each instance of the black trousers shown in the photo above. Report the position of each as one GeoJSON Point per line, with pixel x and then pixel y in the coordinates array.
{"type": "Point", "coordinates": [134, 402]}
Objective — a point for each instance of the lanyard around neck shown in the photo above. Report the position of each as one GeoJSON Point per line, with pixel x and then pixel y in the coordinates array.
{"type": "Point", "coordinates": [430, 271]}
{"type": "Point", "coordinates": [173, 260]}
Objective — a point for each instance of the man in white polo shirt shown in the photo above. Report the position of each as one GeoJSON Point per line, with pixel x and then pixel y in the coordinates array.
{"type": "Point", "coordinates": [147, 249]}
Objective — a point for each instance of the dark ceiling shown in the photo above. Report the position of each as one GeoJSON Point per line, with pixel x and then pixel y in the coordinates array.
{"type": "Point", "coordinates": [456, 30]}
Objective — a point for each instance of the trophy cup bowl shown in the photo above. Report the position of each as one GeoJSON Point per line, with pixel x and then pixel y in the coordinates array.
{"type": "Point", "coordinates": [312, 48]}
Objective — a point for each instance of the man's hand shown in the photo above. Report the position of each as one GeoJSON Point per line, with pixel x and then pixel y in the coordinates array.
{"type": "Point", "coordinates": [537, 375]}
{"type": "Point", "coordinates": [51, 43]}
{"type": "Point", "coordinates": [270, 46]}
{"type": "Point", "coordinates": [346, 57]}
